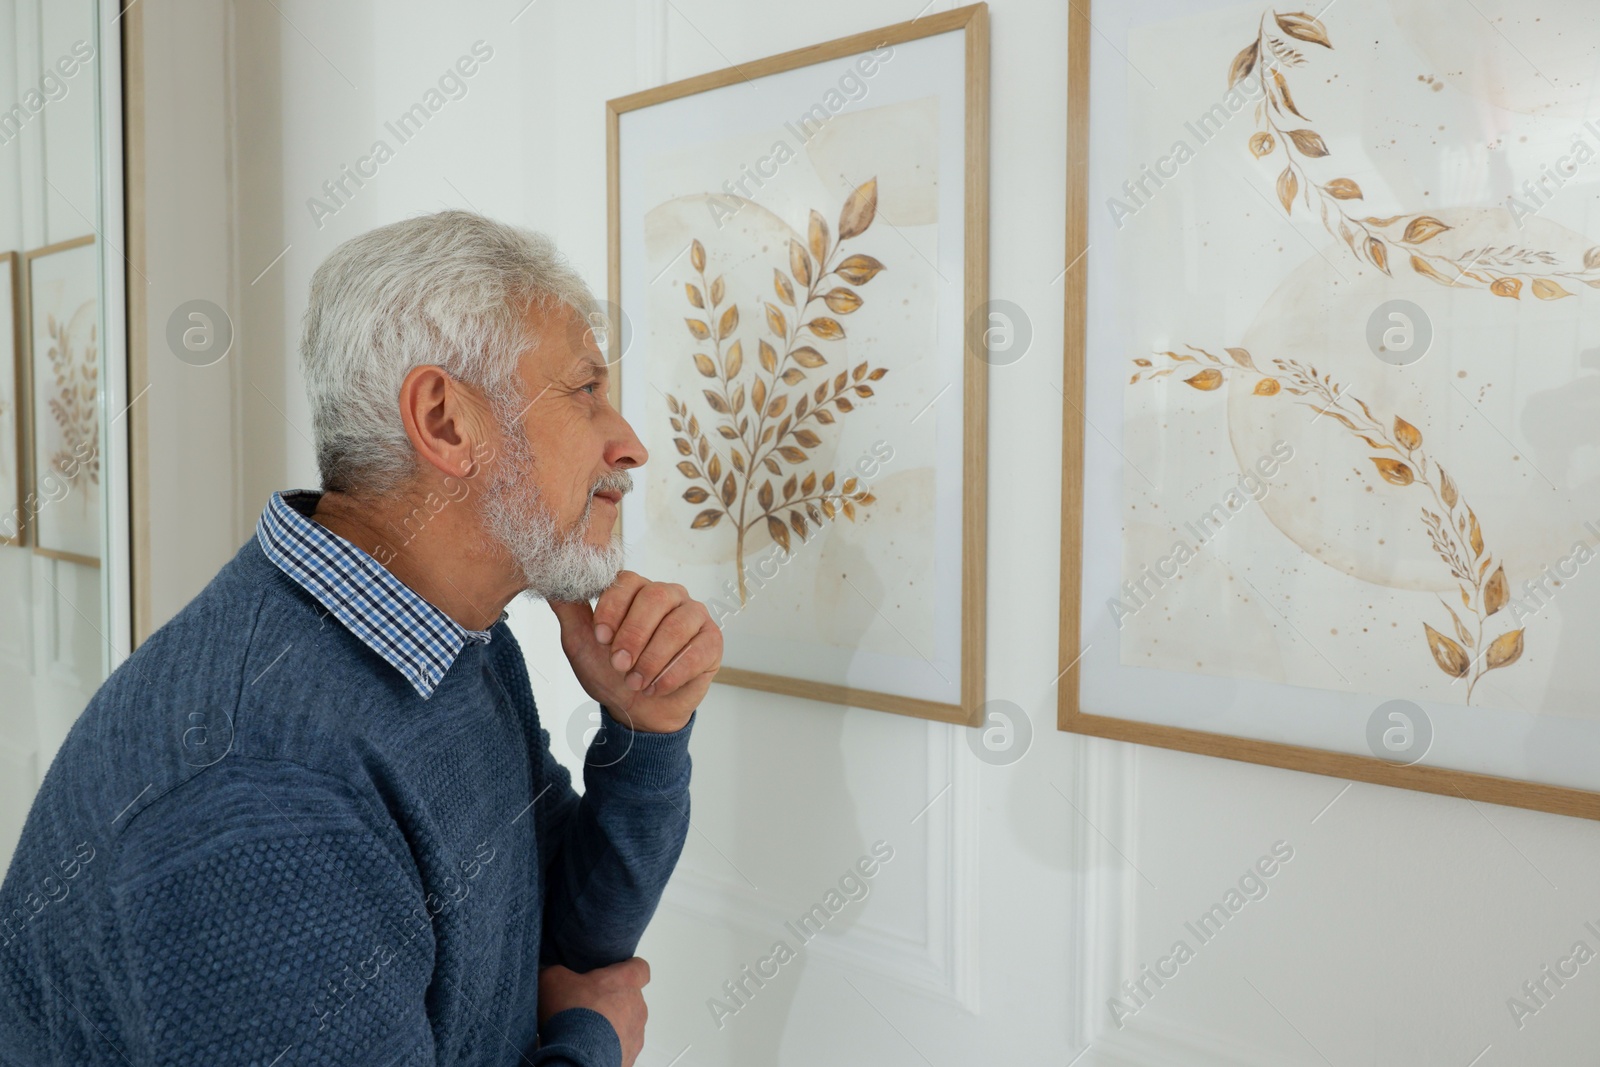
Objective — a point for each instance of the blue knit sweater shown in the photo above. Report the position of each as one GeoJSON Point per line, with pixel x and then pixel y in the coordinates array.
{"type": "Point", "coordinates": [260, 845]}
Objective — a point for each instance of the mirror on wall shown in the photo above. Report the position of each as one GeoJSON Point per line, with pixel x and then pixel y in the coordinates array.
{"type": "Point", "coordinates": [63, 510]}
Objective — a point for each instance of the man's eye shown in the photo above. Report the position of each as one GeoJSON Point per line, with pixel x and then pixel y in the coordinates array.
{"type": "Point", "coordinates": [592, 385]}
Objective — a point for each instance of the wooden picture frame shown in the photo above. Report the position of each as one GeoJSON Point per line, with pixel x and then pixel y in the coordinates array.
{"type": "Point", "coordinates": [1081, 420]}
{"type": "Point", "coordinates": [13, 511]}
{"type": "Point", "coordinates": [83, 411]}
{"type": "Point", "coordinates": [962, 629]}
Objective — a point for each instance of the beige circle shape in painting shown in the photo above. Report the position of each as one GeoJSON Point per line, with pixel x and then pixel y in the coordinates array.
{"type": "Point", "coordinates": [1498, 401]}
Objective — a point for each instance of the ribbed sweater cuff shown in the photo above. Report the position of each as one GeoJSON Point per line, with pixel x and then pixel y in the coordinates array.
{"type": "Point", "coordinates": [637, 761]}
{"type": "Point", "coordinates": [581, 1035]}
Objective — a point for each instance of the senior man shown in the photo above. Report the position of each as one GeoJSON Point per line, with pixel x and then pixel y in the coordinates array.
{"type": "Point", "coordinates": [314, 819]}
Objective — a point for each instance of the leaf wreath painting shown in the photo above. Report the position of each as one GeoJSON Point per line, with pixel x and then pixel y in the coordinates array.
{"type": "Point", "coordinates": [1399, 461]}
{"type": "Point", "coordinates": [73, 354]}
{"type": "Point", "coordinates": [767, 413]}
{"type": "Point", "coordinates": [1282, 42]}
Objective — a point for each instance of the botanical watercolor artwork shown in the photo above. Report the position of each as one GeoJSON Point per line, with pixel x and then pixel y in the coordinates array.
{"type": "Point", "coordinates": [10, 451]}
{"type": "Point", "coordinates": [64, 323]}
{"type": "Point", "coordinates": [780, 439]}
{"type": "Point", "coordinates": [789, 283]}
{"type": "Point", "coordinates": [1360, 332]}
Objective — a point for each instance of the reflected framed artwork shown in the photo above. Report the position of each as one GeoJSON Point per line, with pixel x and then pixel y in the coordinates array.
{"type": "Point", "coordinates": [63, 299]}
{"type": "Point", "coordinates": [1332, 476]}
{"type": "Point", "coordinates": [797, 265]}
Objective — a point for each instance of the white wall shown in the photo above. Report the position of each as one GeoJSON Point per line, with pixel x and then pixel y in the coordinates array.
{"type": "Point", "coordinates": [1021, 897]}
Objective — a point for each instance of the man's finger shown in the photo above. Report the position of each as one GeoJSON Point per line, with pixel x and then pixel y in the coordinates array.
{"type": "Point", "coordinates": [613, 604]}
{"type": "Point", "coordinates": [650, 605]}
{"type": "Point", "coordinates": [671, 638]}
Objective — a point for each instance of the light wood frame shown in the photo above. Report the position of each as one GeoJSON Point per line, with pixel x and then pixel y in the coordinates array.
{"type": "Point", "coordinates": [19, 380]}
{"type": "Point", "coordinates": [27, 357]}
{"type": "Point", "coordinates": [1491, 789]}
{"type": "Point", "coordinates": [973, 19]}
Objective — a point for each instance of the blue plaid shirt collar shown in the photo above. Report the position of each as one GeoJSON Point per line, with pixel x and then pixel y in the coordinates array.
{"type": "Point", "coordinates": [416, 638]}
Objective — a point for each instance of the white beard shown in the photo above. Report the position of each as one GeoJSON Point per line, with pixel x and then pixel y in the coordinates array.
{"type": "Point", "coordinates": [555, 566]}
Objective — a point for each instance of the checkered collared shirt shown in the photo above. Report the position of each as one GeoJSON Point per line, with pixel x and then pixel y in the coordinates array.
{"type": "Point", "coordinates": [416, 638]}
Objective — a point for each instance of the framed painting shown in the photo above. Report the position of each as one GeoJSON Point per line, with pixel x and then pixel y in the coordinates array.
{"type": "Point", "coordinates": [63, 299]}
{"type": "Point", "coordinates": [1331, 496]}
{"type": "Point", "coordinates": [797, 267]}
{"type": "Point", "coordinates": [13, 524]}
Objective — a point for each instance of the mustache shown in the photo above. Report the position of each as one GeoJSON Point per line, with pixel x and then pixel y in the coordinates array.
{"type": "Point", "coordinates": [618, 481]}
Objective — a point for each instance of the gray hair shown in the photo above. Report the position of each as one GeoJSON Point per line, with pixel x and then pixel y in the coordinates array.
{"type": "Point", "coordinates": [449, 289]}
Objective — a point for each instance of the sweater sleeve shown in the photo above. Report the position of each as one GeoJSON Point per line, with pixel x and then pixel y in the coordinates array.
{"type": "Point", "coordinates": [607, 855]}
{"type": "Point", "coordinates": [261, 912]}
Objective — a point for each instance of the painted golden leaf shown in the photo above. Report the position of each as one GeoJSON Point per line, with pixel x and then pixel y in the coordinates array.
{"type": "Point", "coordinates": [808, 439]}
{"type": "Point", "coordinates": [1288, 186]}
{"type": "Point", "coordinates": [735, 359]}
{"type": "Point", "coordinates": [1304, 27]}
{"type": "Point", "coordinates": [1424, 268]}
{"type": "Point", "coordinates": [1423, 228]}
{"type": "Point", "coordinates": [706, 519]}
{"type": "Point", "coordinates": [859, 269]}
{"type": "Point", "coordinates": [817, 235]}
{"type": "Point", "coordinates": [1266, 387]}
{"type": "Point", "coordinates": [694, 295]}
{"type": "Point", "coordinates": [849, 511]}
{"type": "Point", "coordinates": [737, 400]}
{"type": "Point", "coordinates": [728, 323]}
{"type": "Point", "coordinates": [798, 521]}
{"type": "Point", "coordinates": [1591, 258]}
{"type": "Point", "coordinates": [809, 357]}
{"type": "Point", "coordinates": [827, 481]}
{"type": "Point", "coordinates": [859, 371]}
{"type": "Point", "coordinates": [729, 490]}
{"type": "Point", "coordinates": [779, 532]}
{"type": "Point", "coordinates": [768, 356]}
{"type": "Point", "coordinates": [714, 468]}
{"type": "Point", "coordinates": [771, 465]}
{"type": "Point", "coordinates": [703, 364]}
{"type": "Point", "coordinates": [758, 394]}
{"type": "Point", "coordinates": [792, 376]}
{"type": "Point", "coordinates": [862, 390]}
{"type": "Point", "coordinates": [1240, 356]}
{"type": "Point", "coordinates": [1205, 380]}
{"type": "Point", "coordinates": [1504, 650]}
{"type": "Point", "coordinates": [784, 289]}
{"type": "Point", "coordinates": [790, 487]}
{"type": "Point", "coordinates": [764, 496]}
{"type": "Point", "coordinates": [700, 330]}
{"type": "Point", "coordinates": [775, 408]}
{"type": "Point", "coordinates": [776, 322]}
{"type": "Point", "coordinates": [1394, 472]}
{"type": "Point", "coordinates": [1262, 144]}
{"type": "Point", "coordinates": [792, 454]}
{"type": "Point", "coordinates": [1379, 253]}
{"type": "Point", "coordinates": [1451, 657]}
{"type": "Point", "coordinates": [1461, 630]}
{"type": "Point", "coordinates": [809, 484]}
{"type": "Point", "coordinates": [688, 469]}
{"type": "Point", "coordinates": [1511, 287]}
{"type": "Point", "coordinates": [1309, 142]}
{"type": "Point", "coordinates": [824, 417]}
{"type": "Point", "coordinates": [1475, 537]}
{"type": "Point", "coordinates": [735, 455]}
{"type": "Point", "coordinates": [696, 495]}
{"type": "Point", "coordinates": [1343, 189]}
{"type": "Point", "coordinates": [697, 255]}
{"type": "Point", "coordinates": [1447, 489]}
{"type": "Point", "coordinates": [858, 210]}
{"type": "Point", "coordinates": [842, 301]}
{"type": "Point", "coordinates": [1283, 91]}
{"type": "Point", "coordinates": [716, 291]}
{"type": "Point", "coordinates": [1496, 592]}
{"type": "Point", "coordinates": [718, 404]}
{"type": "Point", "coordinates": [1545, 289]}
{"type": "Point", "coordinates": [827, 507]}
{"type": "Point", "coordinates": [1407, 434]}
{"type": "Point", "coordinates": [682, 446]}
{"type": "Point", "coordinates": [1242, 65]}
{"type": "Point", "coordinates": [799, 263]}
{"type": "Point", "coordinates": [826, 328]}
